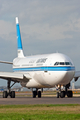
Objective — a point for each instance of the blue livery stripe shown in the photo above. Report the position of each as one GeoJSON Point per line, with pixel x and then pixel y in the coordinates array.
{"type": "Point", "coordinates": [19, 43]}
{"type": "Point", "coordinates": [45, 69]}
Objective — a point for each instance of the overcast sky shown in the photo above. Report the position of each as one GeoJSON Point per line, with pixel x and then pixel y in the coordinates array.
{"type": "Point", "coordinates": [47, 26]}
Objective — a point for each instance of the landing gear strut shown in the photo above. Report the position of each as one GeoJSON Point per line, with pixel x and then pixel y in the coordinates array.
{"type": "Point", "coordinates": [66, 92]}
{"type": "Point", "coordinates": [9, 92]}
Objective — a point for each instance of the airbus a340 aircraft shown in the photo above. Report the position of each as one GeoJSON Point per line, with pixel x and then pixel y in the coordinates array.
{"type": "Point", "coordinates": [40, 71]}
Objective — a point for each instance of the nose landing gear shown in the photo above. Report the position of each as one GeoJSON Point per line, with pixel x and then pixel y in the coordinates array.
{"type": "Point", "coordinates": [60, 93]}
{"type": "Point", "coordinates": [67, 92]}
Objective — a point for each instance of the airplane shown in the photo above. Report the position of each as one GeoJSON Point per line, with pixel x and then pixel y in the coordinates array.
{"type": "Point", "coordinates": [40, 71]}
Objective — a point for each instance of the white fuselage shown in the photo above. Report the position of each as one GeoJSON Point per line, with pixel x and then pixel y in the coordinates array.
{"type": "Point", "coordinates": [45, 70]}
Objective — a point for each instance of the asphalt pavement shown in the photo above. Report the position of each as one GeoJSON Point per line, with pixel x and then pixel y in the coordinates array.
{"type": "Point", "coordinates": [43, 100]}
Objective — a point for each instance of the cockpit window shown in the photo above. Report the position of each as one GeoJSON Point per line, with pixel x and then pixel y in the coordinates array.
{"type": "Point", "coordinates": [67, 63]}
{"type": "Point", "coordinates": [63, 63]}
{"type": "Point", "coordinates": [57, 63]}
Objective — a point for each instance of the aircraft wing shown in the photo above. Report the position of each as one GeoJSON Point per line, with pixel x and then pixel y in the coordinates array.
{"type": "Point", "coordinates": [77, 75]}
{"type": "Point", "coordinates": [16, 77]}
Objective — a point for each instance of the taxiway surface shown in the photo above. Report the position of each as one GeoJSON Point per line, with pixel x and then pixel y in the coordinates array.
{"type": "Point", "coordinates": [43, 100]}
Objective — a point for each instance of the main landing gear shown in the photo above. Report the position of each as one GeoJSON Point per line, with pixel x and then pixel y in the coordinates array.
{"type": "Point", "coordinates": [36, 92]}
{"type": "Point", "coordinates": [9, 92]}
{"type": "Point", "coordinates": [67, 92]}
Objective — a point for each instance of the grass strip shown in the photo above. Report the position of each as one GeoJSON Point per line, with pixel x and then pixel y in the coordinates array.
{"type": "Point", "coordinates": [37, 105]}
{"type": "Point", "coordinates": [40, 112]}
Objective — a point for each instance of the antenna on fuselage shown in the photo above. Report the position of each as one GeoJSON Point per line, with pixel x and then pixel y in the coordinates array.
{"type": "Point", "coordinates": [19, 42]}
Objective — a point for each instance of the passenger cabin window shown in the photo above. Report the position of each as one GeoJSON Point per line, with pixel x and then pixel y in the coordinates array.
{"type": "Point", "coordinates": [63, 63]}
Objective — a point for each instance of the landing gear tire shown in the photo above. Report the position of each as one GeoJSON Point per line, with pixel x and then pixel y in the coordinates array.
{"type": "Point", "coordinates": [69, 94]}
{"type": "Point", "coordinates": [12, 95]}
{"type": "Point", "coordinates": [39, 94]}
{"type": "Point", "coordinates": [57, 94]}
{"type": "Point", "coordinates": [62, 94]}
{"type": "Point", "coordinates": [5, 94]}
{"type": "Point", "coordinates": [34, 94]}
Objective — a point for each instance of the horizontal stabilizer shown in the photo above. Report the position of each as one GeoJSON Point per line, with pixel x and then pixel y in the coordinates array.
{"type": "Point", "coordinates": [6, 62]}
